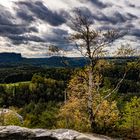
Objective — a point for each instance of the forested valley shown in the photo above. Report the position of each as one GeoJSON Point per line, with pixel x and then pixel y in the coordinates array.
{"type": "Point", "coordinates": [55, 97]}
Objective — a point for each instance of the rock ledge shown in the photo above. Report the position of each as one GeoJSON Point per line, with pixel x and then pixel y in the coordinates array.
{"type": "Point", "coordinates": [21, 133]}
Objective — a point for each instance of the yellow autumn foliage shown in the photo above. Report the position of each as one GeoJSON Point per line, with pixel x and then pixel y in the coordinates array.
{"type": "Point", "coordinates": [74, 114]}
{"type": "Point", "coordinates": [108, 114]}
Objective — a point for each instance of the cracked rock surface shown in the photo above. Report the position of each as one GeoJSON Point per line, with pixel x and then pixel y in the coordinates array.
{"type": "Point", "coordinates": [21, 133]}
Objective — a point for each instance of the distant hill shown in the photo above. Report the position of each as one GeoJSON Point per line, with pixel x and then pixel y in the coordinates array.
{"type": "Point", "coordinates": [15, 59]}
{"type": "Point", "coordinates": [56, 61]}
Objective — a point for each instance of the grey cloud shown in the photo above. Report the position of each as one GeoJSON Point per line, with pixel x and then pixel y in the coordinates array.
{"type": "Point", "coordinates": [6, 24]}
{"type": "Point", "coordinates": [132, 4]}
{"type": "Point", "coordinates": [135, 32]}
{"type": "Point", "coordinates": [84, 11]}
{"type": "Point", "coordinates": [58, 37]}
{"type": "Point", "coordinates": [14, 31]}
{"type": "Point", "coordinates": [121, 22]}
{"type": "Point", "coordinates": [25, 16]}
{"type": "Point", "coordinates": [22, 39]}
{"type": "Point", "coordinates": [23, 12]}
{"type": "Point", "coordinates": [42, 12]}
{"type": "Point", "coordinates": [99, 4]}
{"type": "Point", "coordinates": [33, 29]}
{"type": "Point", "coordinates": [60, 32]}
{"type": "Point", "coordinates": [131, 16]}
{"type": "Point", "coordinates": [105, 28]}
{"type": "Point", "coordinates": [27, 12]}
{"type": "Point", "coordinates": [115, 18]}
{"type": "Point", "coordinates": [37, 48]}
{"type": "Point", "coordinates": [118, 18]}
{"type": "Point", "coordinates": [5, 16]}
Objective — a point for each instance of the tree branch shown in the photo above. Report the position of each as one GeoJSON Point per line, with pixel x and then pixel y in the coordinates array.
{"type": "Point", "coordinates": [115, 89]}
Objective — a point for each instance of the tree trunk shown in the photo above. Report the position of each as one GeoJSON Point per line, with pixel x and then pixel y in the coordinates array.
{"type": "Point", "coordinates": [90, 99]}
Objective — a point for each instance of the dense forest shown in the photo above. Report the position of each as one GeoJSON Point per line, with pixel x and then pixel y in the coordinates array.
{"type": "Point", "coordinates": [54, 97]}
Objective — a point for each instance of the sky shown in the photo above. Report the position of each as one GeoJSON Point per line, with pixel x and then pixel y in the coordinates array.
{"type": "Point", "coordinates": [29, 26]}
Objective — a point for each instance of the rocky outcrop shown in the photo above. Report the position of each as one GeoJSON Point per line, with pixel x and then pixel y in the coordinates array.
{"type": "Point", "coordinates": [21, 133]}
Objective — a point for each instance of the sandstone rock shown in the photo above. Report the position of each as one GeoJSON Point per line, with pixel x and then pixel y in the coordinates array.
{"type": "Point", "coordinates": [21, 133]}
{"type": "Point", "coordinates": [65, 134]}
{"type": "Point", "coordinates": [15, 132]}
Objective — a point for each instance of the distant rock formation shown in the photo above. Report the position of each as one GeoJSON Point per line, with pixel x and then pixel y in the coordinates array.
{"type": "Point", "coordinates": [21, 133]}
{"type": "Point", "coordinates": [16, 59]}
{"type": "Point", "coordinates": [10, 57]}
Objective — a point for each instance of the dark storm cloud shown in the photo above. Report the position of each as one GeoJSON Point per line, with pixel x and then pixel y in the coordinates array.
{"type": "Point", "coordinates": [84, 11]}
{"type": "Point", "coordinates": [135, 32]}
{"type": "Point", "coordinates": [22, 39]}
{"type": "Point", "coordinates": [15, 29]}
{"type": "Point", "coordinates": [25, 16]}
{"type": "Point", "coordinates": [6, 24]}
{"type": "Point", "coordinates": [114, 18]}
{"type": "Point", "coordinates": [131, 16]}
{"type": "Point", "coordinates": [42, 12]}
{"type": "Point", "coordinates": [99, 4]}
{"type": "Point", "coordinates": [117, 18]}
{"type": "Point", "coordinates": [121, 22]}
{"type": "Point", "coordinates": [5, 16]}
{"type": "Point", "coordinates": [28, 12]}
{"type": "Point", "coordinates": [125, 28]}
{"type": "Point", "coordinates": [58, 37]}
{"type": "Point", "coordinates": [99, 16]}
{"type": "Point", "coordinates": [60, 32]}
{"type": "Point", "coordinates": [132, 4]}
{"type": "Point", "coordinates": [16, 33]}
